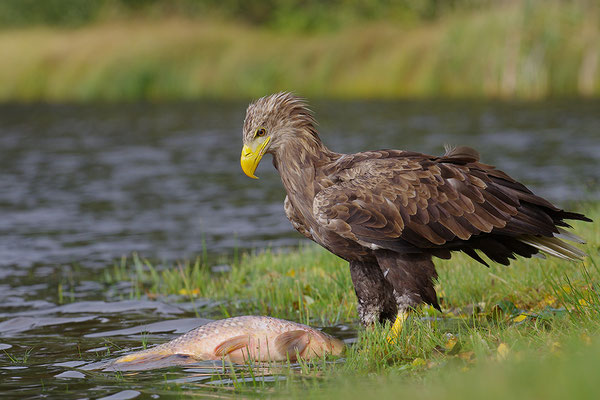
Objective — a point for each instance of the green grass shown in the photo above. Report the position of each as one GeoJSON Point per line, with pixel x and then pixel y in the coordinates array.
{"type": "Point", "coordinates": [553, 372]}
{"type": "Point", "coordinates": [531, 330]}
{"type": "Point", "coordinates": [16, 359]}
{"type": "Point", "coordinates": [516, 49]}
{"type": "Point", "coordinates": [304, 285]}
{"type": "Point", "coordinates": [312, 284]}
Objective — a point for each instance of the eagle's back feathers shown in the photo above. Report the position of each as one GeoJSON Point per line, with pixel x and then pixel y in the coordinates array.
{"type": "Point", "coordinates": [410, 202]}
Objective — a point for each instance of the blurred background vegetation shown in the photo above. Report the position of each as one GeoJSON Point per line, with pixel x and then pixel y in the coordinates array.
{"type": "Point", "coordinates": [302, 15]}
{"type": "Point", "coordinates": [57, 50]}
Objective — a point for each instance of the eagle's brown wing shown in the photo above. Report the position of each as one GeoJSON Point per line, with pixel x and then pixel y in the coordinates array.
{"type": "Point", "coordinates": [410, 202]}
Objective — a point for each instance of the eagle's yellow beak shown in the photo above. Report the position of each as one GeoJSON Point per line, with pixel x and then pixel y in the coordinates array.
{"type": "Point", "coordinates": [251, 156]}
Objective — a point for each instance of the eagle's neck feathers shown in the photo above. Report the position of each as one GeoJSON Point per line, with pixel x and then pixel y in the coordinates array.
{"type": "Point", "coordinates": [300, 160]}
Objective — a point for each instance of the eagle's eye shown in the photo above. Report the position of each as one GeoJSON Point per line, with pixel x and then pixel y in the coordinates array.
{"type": "Point", "coordinates": [261, 132]}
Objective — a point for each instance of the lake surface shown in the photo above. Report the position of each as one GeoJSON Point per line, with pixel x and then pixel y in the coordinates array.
{"type": "Point", "coordinates": [89, 184]}
{"type": "Point", "coordinates": [82, 186]}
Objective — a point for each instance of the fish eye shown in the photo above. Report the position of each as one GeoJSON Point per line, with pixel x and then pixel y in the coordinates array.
{"type": "Point", "coordinates": [261, 132]}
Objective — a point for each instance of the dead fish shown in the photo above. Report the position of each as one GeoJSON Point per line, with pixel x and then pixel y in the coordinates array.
{"type": "Point", "coordinates": [245, 338]}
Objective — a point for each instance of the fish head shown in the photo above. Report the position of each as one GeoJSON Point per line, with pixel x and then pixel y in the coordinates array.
{"type": "Point", "coordinates": [322, 344]}
{"type": "Point", "coordinates": [336, 346]}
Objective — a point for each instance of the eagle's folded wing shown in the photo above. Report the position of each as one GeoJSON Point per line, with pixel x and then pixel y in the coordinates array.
{"type": "Point", "coordinates": [441, 204]}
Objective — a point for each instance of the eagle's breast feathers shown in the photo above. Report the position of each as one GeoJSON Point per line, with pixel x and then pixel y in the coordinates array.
{"type": "Point", "coordinates": [297, 222]}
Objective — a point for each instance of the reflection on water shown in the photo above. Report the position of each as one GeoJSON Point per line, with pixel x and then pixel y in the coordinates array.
{"type": "Point", "coordinates": [92, 183]}
{"type": "Point", "coordinates": [84, 185]}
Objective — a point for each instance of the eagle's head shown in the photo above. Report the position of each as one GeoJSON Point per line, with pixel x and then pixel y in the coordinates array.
{"type": "Point", "coordinates": [271, 122]}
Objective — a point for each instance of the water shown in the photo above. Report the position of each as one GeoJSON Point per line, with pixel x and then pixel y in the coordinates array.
{"type": "Point", "coordinates": [82, 186]}
{"type": "Point", "coordinates": [57, 350]}
{"type": "Point", "coordinates": [92, 183]}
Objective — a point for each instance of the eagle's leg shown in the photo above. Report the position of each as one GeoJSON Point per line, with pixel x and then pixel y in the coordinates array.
{"type": "Point", "coordinates": [375, 294]}
{"type": "Point", "coordinates": [411, 276]}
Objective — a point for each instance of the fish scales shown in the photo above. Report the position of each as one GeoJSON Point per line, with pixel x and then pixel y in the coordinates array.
{"type": "Point", "coordinates": [244, 338]}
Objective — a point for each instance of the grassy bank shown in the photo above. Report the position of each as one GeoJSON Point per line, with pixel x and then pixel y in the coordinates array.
{"type": "Point", "coordinates": [528, 330]}
{"type": "Point", "coordinates": [515, 49]}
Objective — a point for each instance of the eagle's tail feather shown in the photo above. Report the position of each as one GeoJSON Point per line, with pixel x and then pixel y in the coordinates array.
{"type": "Point", "coordinates": [566, 235]}
{"type": "Point", "coordinates": [554, 246]}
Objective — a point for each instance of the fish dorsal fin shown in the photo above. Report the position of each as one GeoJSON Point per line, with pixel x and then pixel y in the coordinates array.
{"type": "Point", "coordinates": [233, 344]}
{"type": "Point", "coordinates": [465, 153]}
{"type": "Point", "coordinates": [292, 343]}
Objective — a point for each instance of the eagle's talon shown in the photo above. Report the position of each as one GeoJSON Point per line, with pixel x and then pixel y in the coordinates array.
{"type": "Point", "coordinates": [396, 329]}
